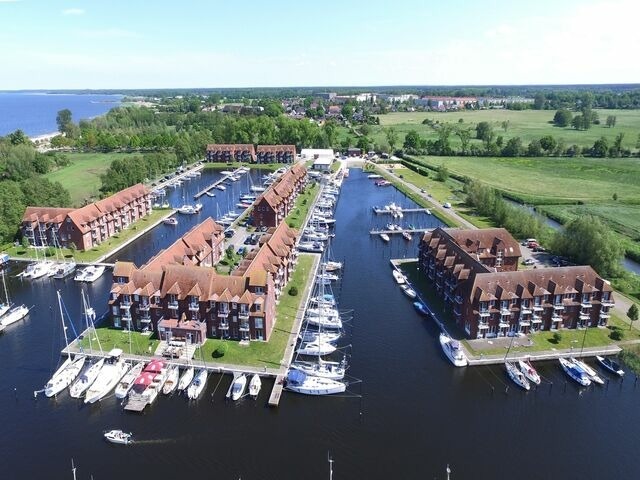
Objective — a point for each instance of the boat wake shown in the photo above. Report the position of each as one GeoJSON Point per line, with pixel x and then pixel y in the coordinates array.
{"type": "Point", "coordinates": [155, 441]}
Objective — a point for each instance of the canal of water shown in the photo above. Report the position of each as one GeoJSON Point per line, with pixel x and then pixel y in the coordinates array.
{"type": "Point", "coordinates": [416, 413]}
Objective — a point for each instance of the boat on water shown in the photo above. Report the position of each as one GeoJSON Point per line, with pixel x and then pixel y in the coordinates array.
{"type": "Point", "coordinates": [574, 373]}
{"type": "Point", "coordinates": [316, 347]}
{"type": "Point", "coordinates": [86, 378]}
{"type": "Point", "coordinates": [300, 382]}
{"type": "Point", "coordinates": [221, 187]}
{"type": "Point", "coordinates": [312, 247]}
{"type": "Point", "coordinates": [226, 172]}
{"type": "Point", "coordinates": [610, 365]}
{"type": "Point", "coordinates": [210, 194]}
{"type": "Point", "coordinates": [313, 336]}
{"type": "Point", "coordinates": [112, 372]}
{"type": "Point", "coordinates": [186, 378]}
{"type": "Point", "coordinates": [187, 209]}
{"type": "Point", "coordinates": [398, 276]}
{"type": "Point", "coordinates": [331, 266]}
{"type": "Point", "coordinates": [326, 300]}
{"type": "Point", "coordinates": [407, 236]}
{"type": "Point", "coordinates": [170, 221]}
{"type": "Point", "coordinates": [126, 382]}
{"type": "Point", "coordinates": [421, 308]}
{"type": "Point", "coordinates": [89, 274]}
{"type": "Point", "coordinates": [591, 373]}
{"type": "Point", "coordinates": [322, 368]}
{"type": "Point", "coordinates": [408, 291]}
{"type": "Point", "coordinates": [254, 386]}
{"type": "Point", "coordinates": [427, 211]}
{"type": "Point", "coordinates": [257, 188]}
{"type": "Point", "coordinates": [173, 376]}
{"type": "Point", "coordinates": [237, 387]}
{"type": "Point", "coordinates": [64, 269]}
{"type": "Point", "coordinates": [517, 376]}
{"type": "Point", "coordinates": [325, 321]}
{"type": "Point", "coordinates": [527, 369]}
{"type": "Point", "coordinates": [385, 237]}
{"type": "Point", "coordinates": [118, 437]}
{"type": "Point", "coordinates": [15, 314]}
{"type": "Point", "coordinates": [374, 176]}
{"type": "Point", "coordinates": [198, 384]}
{"type": "Point", "coordinates": [323, 311]}
{"type": "Point", "coordinates": [149, 383]}
{"type": "Point", "coordinates": [327, 278]}
{"type": "Point", "coordinates": [453, 350]}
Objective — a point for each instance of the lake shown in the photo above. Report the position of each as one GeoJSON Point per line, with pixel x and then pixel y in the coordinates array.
{"type": "Point", "coordinates": [35, 112]}
{"type": "Point", "coordinates": [411, 415]}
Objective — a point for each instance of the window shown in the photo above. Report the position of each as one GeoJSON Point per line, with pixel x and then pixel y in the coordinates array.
{"type": "Point", "coordinates": [258, 307]}
{"type": "Point", "coordinates": [537, 301]}
{"type": "Point", "coordinates": [259, 322]}
{"type": "Point", "coordinates": [585, 297]}
{"type": "Point", "coordinates": [505, 304]}
{"type": "Point", "coordinates": [558, 299]}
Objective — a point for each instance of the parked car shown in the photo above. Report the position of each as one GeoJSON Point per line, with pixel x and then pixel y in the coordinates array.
{"type": "Point", "coordinates": [529, 261]}
{"type": "Point", "coordinates": [230, 232]}
{"type": "Point", "coordinates": [539, 248]}
{"type": "Point", "coordinates": [446, 205]}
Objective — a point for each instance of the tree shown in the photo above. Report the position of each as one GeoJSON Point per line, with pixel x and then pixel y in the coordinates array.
{"type": "Point", "coordinates": [548, 143]}
{"type": "Point", "coordinates": [588, 241]}
{"type": "Point", "coordinates": [63, 119]}
{"type": "Point", "coordinates": [505, 125]}
{"type": "Point", "coordinates": [539, 101]}
{"type": "Point", "coordinates": [600, 148]}
{"type": "Point", "coordinates": [347, 111]}
{"type": "Point", "coordinates": [611, 121]}
{"type": "Point", "coordinates": [632, 313]}
{"type": "Point", "coordinates": [392, 137]}
{"type": "Point", "coordinates": [513, 148]}
{"type": "Point", "coordinates": [616, 148]}
{"type": "Point", "coordinates": [534, 149]}
{"type": "Point", "coordinates": [365, 129]}
{"type": "Point", "coordinates": [562, 118]}
{"type": "Point", "coordinates": [443, 173]}
{"type": "Point", "coordinates": [412, 140]}
{"type": "Point", "coordinates": [19, 138]}
{"type": "Point", "coordinates": [578, 122]}
{"type": "Point", "coordinates": [464, 134]}
{"type": "Point", "coordinates": [484, 131]}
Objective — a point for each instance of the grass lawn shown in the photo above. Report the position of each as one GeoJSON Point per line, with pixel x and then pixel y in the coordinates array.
{"type": "Point", "coordinates": [82, 176]}
{"type": "Point", "coordinates": [110, 337]}
{"type": "Point", "coordinates": [298, 213]}
{"type": "Point", "coordinates": [99, 251]}
{"type": "Point", "coordinates": [526, 124]}
{"type": "Point", "coordinates": [267, 354]}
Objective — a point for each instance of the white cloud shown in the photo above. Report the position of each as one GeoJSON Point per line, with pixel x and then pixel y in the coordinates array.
{"type": "Point", "coordinates": [73, 11]}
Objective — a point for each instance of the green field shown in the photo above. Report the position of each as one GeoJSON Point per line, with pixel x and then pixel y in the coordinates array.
{"type": "Point", "coordinates": [526, 124]}
{"type": "Point", "coordinates": [82, 176]}
{"type": "Point", "coordinates": [298, 213]}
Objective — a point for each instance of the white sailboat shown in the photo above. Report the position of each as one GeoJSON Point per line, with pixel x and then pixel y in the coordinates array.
{"type": "Point", "coordinates": [198, 384]}
{"type": "Point", "coordinates": [517, 376]}
{"type": "Point", "coordinates": [173, 376]}
{"type": "Point", "coordinates": [299, 382]}
{"type": "Point", "coordinates": [529, 372]}
{"type": "Point", "coordinates": [322, 368]}
{"type": "Point", "coordinates": [591, 373]}
{"type": "Point", "coordinates": [254, 386]}
{"type": "Point", "coordinates": [125, 384]}
{"type": "Point", "coordinates": [69, 369]}
{"type": "Point", "coordinates": [90, 372]}
{"type": "Point", "coordinates": [237, 387]}
{"type": "Point", "coordinates": [113, 370]}
{"type": "Point", "coordinates": [316, 347]}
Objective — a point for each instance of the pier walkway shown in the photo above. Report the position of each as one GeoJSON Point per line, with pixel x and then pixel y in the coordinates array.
{"type": "Point", "coordinates": [237, 171]}
{"type": "Point", "coordinates": [379, 210]}
{"type": "Point", "coordinates": [408, 230]}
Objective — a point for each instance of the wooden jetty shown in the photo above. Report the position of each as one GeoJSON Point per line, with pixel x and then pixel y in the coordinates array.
{"type": "Point", "coordinates": [215, 184]}
{"type": "Point", "coordinates": [379, 210]}
{"type": "Point", "coordinates": [135, 403]}
{"type": "Point", "coordinates": [412, 230]}
{"type": "Point", "coordinates": [276, 391]}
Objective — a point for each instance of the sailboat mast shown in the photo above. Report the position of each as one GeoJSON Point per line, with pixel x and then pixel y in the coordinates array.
{"type": "Point", "coordinates": [64, 328]}
{"type": "Point", "coordinates": [4, 284]}
{"type": "Point", "coordinates": [86, 318]}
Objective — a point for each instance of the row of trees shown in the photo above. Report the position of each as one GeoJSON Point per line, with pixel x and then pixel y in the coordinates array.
{"type": "Point", "coordinates": [123, 173]}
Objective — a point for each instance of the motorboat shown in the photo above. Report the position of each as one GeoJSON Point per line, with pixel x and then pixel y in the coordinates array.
{"type": "Point", "coordinates": [221, 187]}
{"type": "Point", "coordinates": [198, 384]}
{"type": "Point", "coordinates": [149, 383]}
{"type": "Point", "coordinates": [321, 368]}
{"type": "Point", "coordinates": [383, 183]}
{"type": "Point", "coordinates": [243, 205]}
{"type": "Point", "coordinates": [327, 277]}
{"type": "Point", "coordinates": [237, 387]}
{"type": "Point", "coordinates": [453, 350]}
{"type": "Point", "coordinates": [312, 247]}
{"type": "Point", "coordinates": [408, 291]}
{"type": "Point", "coordinates": [398, 276]}
{"type": "Point", "coordinates": [325, 321]}
{"type": "Point", "coordinates": [527, 369]}
{"type": "Point", "coordinates": [591, 373]}
{"type": "Point", "coordinates": [90, 273]}
{"type": "Point", "coordinates": [574, 373]}
{"type": "Point", "coordinates": [187, 209]}
{"type": "Point", "coordinates": [173, 376]}
{"type": "Point", "coordinates": [316, 348]}
{"type": "Point", "coordinates": [210, 194]}
{"type": "Point", "coordinates": [254, 386]}
{"type": "Point", "coordinates": [170, 221]}
{"type": "Point", "coordinates": [113, 370]}
{"type": "Point", "coordinates": [326, 300]}
{"type": "Point", "coordinates": [407, 236]}
{"type": "Point", "coordinates": [37, 270]}
{"type": "Point", "coordinates": [15, 314]}
{"type": "Point", "coordinates": [315, 237]}
{"type": "Point", "coordinates": [119, 437]}
{"type": "Point", "coordinates": [64, 269]}
{"type": "Point", "coordinates": [323, 311]}
{"type": "Point", "coordinates": [226, 173]}
{"type": "Point", "coordinates": [385, 237]}
{"type": "Point", "coordinates": [427, 211]}
{"type": "Point", "coordinates": [610, 365]}
{"type": "Point", "coordinates": [186, 378]}
{"type": "Point", "coordinates": [517, 376]}
{"type": "Point", "coordinates": [300, 382]}
{"type": "Point", "coordinates": [63, 377]}
{"type": "Point", "coordinates": [374, 176]}
{"type": "Point", "coordinates": [257, 188]}
{"type": "Point", "coordinates": [313, 336]}
{"type": "Point", "coordinates": [125, 384]}
{"type": "Point", "coordinates": [86, 378]}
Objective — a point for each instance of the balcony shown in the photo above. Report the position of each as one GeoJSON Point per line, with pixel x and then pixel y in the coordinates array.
{"type": "Point", "coordinates": [484, 313]}
{"type": "Point", "coordinates": [526, 311]}
{"type": "Point", "coordinates": [538, 308]}
{"type": "Point", "coordinates": [584, 316]}
{"type": "Point", "coordinates": [223, 313]}
{"type": "Point", "coordinates": [223, 326]}
{"type": "Point", "coordinates": [525, 323]}
{"type": "Point", "coordinates": [144, 307]}
{"type": "Point", "coordinates": [194, 307]}
{"type": "Point", "coordinates": [244, 327]}
{"type": "Point", "coordinates": [173, 305]}
{"type": "Point", "coordinates": [483, 326]}
{"type": "Point", "coordinates": [536, 319]}
{"type": "Point", "coordinates": [145, 320]}
{"type": "Point", "coordinates": [604, 315]}
{"type": "Point", "coordinates": [125, 304]}
{"type": "Point", "coordinates": [558, 307]}
{"type": "Point", "coordinates": [607, 303]}
{"type": "Point", "coordinates": [242, 315]}
{"type": "Point", "coordinates": [503, 323]}
{"type": "Point", "coordinates": [585, 305]}
{"type": "Point", "coordinates": [556, 318]}
{"type": "Point", "coordinates": [126, 316]}
{"type": "Point", "coordinates": [505, 311]}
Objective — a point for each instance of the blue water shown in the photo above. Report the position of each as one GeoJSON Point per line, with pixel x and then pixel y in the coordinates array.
{"type": "Point", "coordinates": [35, 113]}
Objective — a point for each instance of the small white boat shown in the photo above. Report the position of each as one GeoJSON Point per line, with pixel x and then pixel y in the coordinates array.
{"type": "Point", "coordinates": [517, 376]}
{"type": "Point", "coordinates": [427, 211]}
{"type": "Point", "coordinates": [453, 350]}
{"type": "Point", "coordinates": [321, 368]}
{"type": "Point", "coordinates": [574, 372]}
{"type": "Point", "coordinates": [226, 172]}
{"type": "Point", "coordinates": [170, 221]}
{"type": "Point", "coordinates": [313, 336]}
{"type": "Point", "coordinates": [254, 386]}
{"type": "Point", "coordinates": [173, 375]}
{"type": "Point", "coordinates": [408, 291]}
{"type": "Point", "coordinates": [64, 269]}
{"type": "Point", "coordinates": [398, 276]}
{"type": "Point", "coordinates": [299, 382]}
{"type": "Point", "coordinates": [407, 236]}
{"type": "Point", "coordinates": [256, 188]}
{"type": "Point", "coordinates": [14, 315]}
{"type": "Point", "coordinates": [86, 379]}
{"type": "Point", "coordinates": [325, 321]}
{"type": "Point", "coordinates": [316, 348]}
{"type": "Point", "coordinates": [591, 373]}
{"type": "Point", "coordinates": [187, 209]}
{"type": "Point", "coordinates": [312, 247]}
{"type": "Point", "coordinates": [111, 373]}
{"type": "Point", "coordinates": [186, 378]}
{"type": "Point", "coordinates": [327, 277]}
{"type": "Point", "coordinates": [221, 187]}
{"type": "Point", "coordinates": [119, 437]}
{"type": "Point", "coordinates": [125, 384]}
{"type": "Point", "coordinates": [384, 237]}
{"type": "Point", "coordinates": [238, 386]}
{"type": "Point", "coordinates": [374, 176]}
{"type": "Point", "coordinates": [610, 365]}
{"type": "Point", "coordinates": [326, 300]}
{"type": "Point", "coordinates": [63, 377]}
{"type": "Point", "coordinates": [527, 369]}
{"type": "Point", "coordinates": [210, 194]}
{"type": "Point", "coordinates": [90, 273]}
{"type": "Point", "coordinates": [198, 384]}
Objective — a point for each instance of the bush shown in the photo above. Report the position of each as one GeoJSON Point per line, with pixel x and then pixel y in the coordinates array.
{"type": "Point", "coordinates": [557, 338]}
{"type": "Point", "coordinates": [219, 351]}
{"type": "Point", "coordinates": [617, 334]}
{"type": "Point", "coordinates": [293, 291]}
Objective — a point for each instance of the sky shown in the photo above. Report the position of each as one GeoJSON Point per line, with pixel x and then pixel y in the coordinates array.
{"type": "Point", "coordinates": [116, 44]}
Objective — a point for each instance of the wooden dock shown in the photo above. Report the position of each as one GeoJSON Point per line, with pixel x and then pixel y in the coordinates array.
{"type": "Point", "coordinates": [276, 391]}
{"type": "Point", "coordinates": [135, 403]}
{"type": "Point", "coordinates": [413, 230]}
{"type": "Point", "coordinates": [215, 184]}
{"type": "Point", "coordinates": [379, 211]}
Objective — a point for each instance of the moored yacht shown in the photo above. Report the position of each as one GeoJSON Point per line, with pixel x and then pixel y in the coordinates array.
{"type": "Point", "coordinates": [198, 384]}
{"type": "Point", "coordinates": [527, 369]}
{"type": "Point", "coordinates": [315, 348]}
{"type": "Point", "coordinates": [186, 378]}
{"type": "Point", "coordinates": [453, 350]}
{"type": "Point", "coordinates": [574, 373]}
{"type": "Point", "coordinates": [299, 382]}
{"type": "Point", "coordinates": [86, 378]}
{"type": "Point", "coordinates": [591, 373]}
{"type": "Point", "coordinates": [112, 372]}
{"type": "Point", "coordinates": [173, 376]}
{"type": "Point", "coordinates": [517, 376]}
{"type": "Point", "coordinates": [321, 368]}
{"type": "Point", "coordinates": [125, 384]}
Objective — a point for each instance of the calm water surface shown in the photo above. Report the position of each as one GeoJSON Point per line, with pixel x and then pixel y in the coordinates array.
{"type": "Point", "coordinates": [416, 413]}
